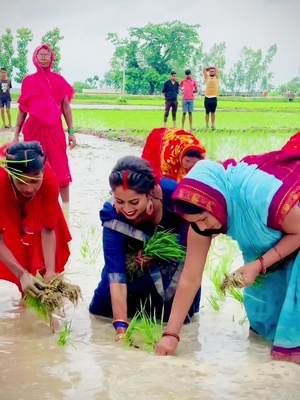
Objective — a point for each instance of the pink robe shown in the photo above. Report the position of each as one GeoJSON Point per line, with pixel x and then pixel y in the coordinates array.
{"type": "Point", "coordinates": [41, 96]}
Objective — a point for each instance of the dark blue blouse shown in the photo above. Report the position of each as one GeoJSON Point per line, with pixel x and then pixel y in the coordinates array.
{"type": "Point", "coordinates": [116, 244]}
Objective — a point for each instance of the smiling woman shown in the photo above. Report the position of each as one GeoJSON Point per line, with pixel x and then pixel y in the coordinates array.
{"type": "Point", "coordinates": [140, 206]}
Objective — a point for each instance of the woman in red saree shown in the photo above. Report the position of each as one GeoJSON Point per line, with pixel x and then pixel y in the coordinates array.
{"type": "Point", "coordinates": [45, 96]}
{"type": "Point", "coordinates": [172, 152]}
{"type": "Point", "coordinates": [33, 232]}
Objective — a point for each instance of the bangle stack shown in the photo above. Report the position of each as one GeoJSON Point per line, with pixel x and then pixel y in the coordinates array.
{"type": "Point", "coordinates": [120, 323]}
{"type": "Point", "coordinates": [171, 334]}
{"type": "Point", "coordinates": [71, 131]}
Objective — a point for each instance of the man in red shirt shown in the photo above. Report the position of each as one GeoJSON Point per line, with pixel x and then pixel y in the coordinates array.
{"type": "Point", "coordinates": [188, 86]}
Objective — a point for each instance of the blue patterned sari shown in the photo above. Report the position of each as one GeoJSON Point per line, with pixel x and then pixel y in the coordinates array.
{"type": "Point", "coordinates": [159, 281]}
{"type": "Point", "coordinates": [251, 199]}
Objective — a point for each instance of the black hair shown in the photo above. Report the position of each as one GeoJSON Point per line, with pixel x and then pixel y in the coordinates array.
{"type": "Point", "coordinates": [23, 151]}
{"type": "Point", "coordinates": [183, 207]}
{"type": "Point", "coordinates": [3, 69]}
{"type": "Point", "coordinates": [172, 73]}
{"type": "Point", "coordinates": [137, 173]}
{"type": "Point", "coordinates": [193, 153]}
{"type": "Point", "coordinates": [187, 71]}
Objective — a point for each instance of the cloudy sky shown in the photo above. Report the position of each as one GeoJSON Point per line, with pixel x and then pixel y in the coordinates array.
{"type": "Point", "coordinates": [85, 24]}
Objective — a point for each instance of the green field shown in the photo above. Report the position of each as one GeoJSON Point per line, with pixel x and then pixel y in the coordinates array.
{"type": "Point", "coordinates": [244, 125]}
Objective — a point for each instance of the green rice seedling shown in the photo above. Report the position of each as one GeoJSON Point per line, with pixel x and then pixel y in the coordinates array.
{"type": "Point", "coordinates": [52, 297]}
{"type": "Point", "coordinates": [144, 330]}
{"type": "Point", "coordinates": [222, 253]}
{"type": "Point", "coordinates": [163, 245]}
{"type": "Point", "coordinates": [91, 244]}
{"type": "Point", "coordinates": [237, 294]}
{"type": "Point", "coordinates": [64, 334]}
{"type": "Point", "coordinates": [243, 320]}
{"type": "Point", "coordinates": [84, 248]}
{"type": "Point", "coordinates": [214, 301]}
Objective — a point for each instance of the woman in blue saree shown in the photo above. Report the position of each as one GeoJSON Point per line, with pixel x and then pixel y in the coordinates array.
{"type": "Point", "coordinates": [139, 206]}
{"type": "Point", "coordinates": [256, 202]}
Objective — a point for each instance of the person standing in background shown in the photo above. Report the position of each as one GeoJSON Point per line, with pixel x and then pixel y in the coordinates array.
{"type": "Point", "coordinates": [170, 91]}
{"type": "Point", "coordinates": [211, 77]}
{"type": "Point", "coordinates": [5, 97]}
{"type": "Point", "coordinates": [45, 97]}
{"type": "Point", "coordinates": [189, 87]}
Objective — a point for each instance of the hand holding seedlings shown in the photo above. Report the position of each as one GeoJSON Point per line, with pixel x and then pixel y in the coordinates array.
{"type": "Point", "coordinates": [30, 285]}
{"type": "Point", "coordinates": [244, 276]}
{"type": "Point", "coordinates": [52, 297]}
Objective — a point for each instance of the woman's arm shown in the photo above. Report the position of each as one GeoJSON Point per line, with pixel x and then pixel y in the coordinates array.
{"type": "Point", "coordinates": [285, 246]}
{"type": "Point", "coordinates": [49, 252]}
{"type": "Point", "coordinates": [67, 113]}
{"type": "Point", "coordinates": [118, 293]}
{"type": "Point", "coordinates": [189, 283]}
{"type": "Point", "coordinates": [20, 121]}
{"type": "Point", "coordinates": [29, 283]}
{"type": "Point", "coordinates": [114, 255]}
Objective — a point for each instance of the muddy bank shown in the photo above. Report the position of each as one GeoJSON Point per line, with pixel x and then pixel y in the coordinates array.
{"type": "Point", "coordinates": [132, 136]}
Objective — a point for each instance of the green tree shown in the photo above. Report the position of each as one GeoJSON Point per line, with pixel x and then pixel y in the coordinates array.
{"type": "Point", "coordinates": [254, 69]}
{"type": "Point", "coordinates": [7, 51]}
{"type": "Point", "coordinates": [266, 76]}
{"type": "Point", "coordinates": [235, 78]}
{"type": "Point", "coordinates": [293, 85]}
{"type": "Point", "coordinates": [215, 56]}
{"type": "Point", "coordinates": [93, 82]}
{"type": "Point", "coordinates": [24, 36]}
{"type": "Point", "coordinates": [153, 50]}
{"type": "Point", "coordinates": [78, 86]}
{"type": "Point", "coordinates": [52, 38]}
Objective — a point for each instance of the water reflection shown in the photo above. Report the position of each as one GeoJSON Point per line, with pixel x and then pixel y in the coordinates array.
{"type": "Point", "coordinates": [216, 359]}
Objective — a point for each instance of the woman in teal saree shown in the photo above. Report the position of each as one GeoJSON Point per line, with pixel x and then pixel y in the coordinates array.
{"type": "Point", "coordinates": [256, 202]}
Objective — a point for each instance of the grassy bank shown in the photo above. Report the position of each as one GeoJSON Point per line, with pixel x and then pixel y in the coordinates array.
{"type": "Point", "coordinates": [224, 103]}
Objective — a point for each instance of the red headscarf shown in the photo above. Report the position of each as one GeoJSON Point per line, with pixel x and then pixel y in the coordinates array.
{"type": "Point", "coordinates": [43, 92]}
{"type": "Point", "coordinates": [165, 149]}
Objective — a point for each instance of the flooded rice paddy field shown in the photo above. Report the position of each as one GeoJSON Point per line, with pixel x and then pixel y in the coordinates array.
{"type": "Point", "coordinates": [216, 359]}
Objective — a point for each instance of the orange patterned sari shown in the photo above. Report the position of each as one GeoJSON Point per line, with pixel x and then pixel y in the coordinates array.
{"type": "Point", "coordinates": [165, 149]}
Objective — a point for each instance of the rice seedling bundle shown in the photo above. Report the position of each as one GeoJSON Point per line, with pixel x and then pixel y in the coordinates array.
{"type": "Point", "coordinates": [163, 245]}
{"type": "Point", "coordinates": [52, 297]}
{"type": "Point", "coordinates": [143, 331]}
{"type": "Point", "coordinates": [232, 281]}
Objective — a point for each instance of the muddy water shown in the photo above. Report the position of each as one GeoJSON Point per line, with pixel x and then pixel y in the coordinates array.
{"type": "Point", "coordinates": [216, 359]}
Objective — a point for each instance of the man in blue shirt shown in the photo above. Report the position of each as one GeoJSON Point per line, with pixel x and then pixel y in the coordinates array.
{"type": "Point", "coordinates": [170, 91]}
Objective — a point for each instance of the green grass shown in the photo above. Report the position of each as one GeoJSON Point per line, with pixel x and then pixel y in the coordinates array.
{"type": "Point", "coordinates": [238, 133]}
{"type": "Point", "coordinates": [149, 119]}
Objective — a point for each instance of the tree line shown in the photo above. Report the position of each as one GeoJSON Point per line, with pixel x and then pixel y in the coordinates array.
{"type": "Point", "coordinates": [148, 54]}
{"type": "Point", "coordinates": [16, 61]}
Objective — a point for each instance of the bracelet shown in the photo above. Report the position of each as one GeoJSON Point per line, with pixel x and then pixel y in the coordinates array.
{"type": "Point", "coordinates": [263, 266]}
{"type": "Point", "coordinates": [120, 323]}
{"type": "Point", "coordinates": [280, 257]}
{"type": "Point", "coordinates": [71, 131]}
{"type": "Point", "coordinates": [171, 334]}
{"type": "Point", "coordinates": [120, 336]}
